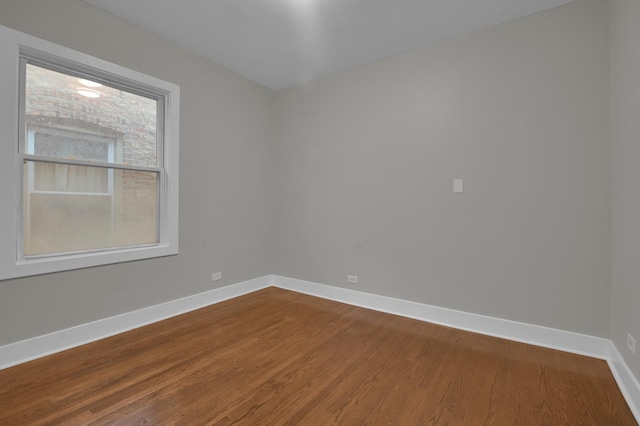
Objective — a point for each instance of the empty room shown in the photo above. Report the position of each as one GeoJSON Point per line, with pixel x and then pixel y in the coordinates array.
{"type": "Point", "coordinates": [319, 212]}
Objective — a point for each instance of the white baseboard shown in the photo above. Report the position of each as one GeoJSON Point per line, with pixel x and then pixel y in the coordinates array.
{"type": "Point", "coordinates": [526, 333]}
{"type": "Point", "coordinates": [627, 382]}
{"type": "Point", "coordinates": [581, 344]}
{"type": "Point", "coordinates": [37, 347]}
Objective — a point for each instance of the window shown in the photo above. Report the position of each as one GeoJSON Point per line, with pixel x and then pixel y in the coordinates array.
{"type": "Point", "coordinates": [94, 160]}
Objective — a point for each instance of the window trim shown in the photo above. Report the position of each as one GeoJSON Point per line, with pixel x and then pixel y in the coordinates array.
{"type": "Point", "coordinates": [13, 46]}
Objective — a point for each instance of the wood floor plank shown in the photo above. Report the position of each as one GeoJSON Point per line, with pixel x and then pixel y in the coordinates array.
{"type": "Point", "coordinates": [279, 357]}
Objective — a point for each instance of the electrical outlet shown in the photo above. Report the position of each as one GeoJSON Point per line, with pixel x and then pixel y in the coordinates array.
{"type": "Point", "coordinates": [217, 276]}
{"type": "Point", "coordinates": [631, 343]}
{"type": "Point", "coordinates": [353, 279]}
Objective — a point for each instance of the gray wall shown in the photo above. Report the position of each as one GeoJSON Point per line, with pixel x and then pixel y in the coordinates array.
{"type": "Point", "coordinates": [225, 179]}
{"type": "Point", "coordinates": [366, 160]}
{"type": "Point", "coordinates": [625, 126]}
{"type": "Point", "coordinates": [353, 175]}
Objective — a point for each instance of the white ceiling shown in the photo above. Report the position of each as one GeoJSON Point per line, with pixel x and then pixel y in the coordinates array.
{"type": "Point", "coordinates": [279, 43]}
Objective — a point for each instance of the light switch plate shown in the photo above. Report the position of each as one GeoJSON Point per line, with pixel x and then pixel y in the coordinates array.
{"type": "Point", "coordinates": [457, 186]}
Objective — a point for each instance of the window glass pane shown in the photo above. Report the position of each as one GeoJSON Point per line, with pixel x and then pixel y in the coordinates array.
{"type": "Point", "coordinates": [54, 177]}
{"type": "Point", "coordinates": [69, 144]}
{"type": "Point", "coordinates": [70, 208]}
{"type": "Point", "coordinates": [74, 118]}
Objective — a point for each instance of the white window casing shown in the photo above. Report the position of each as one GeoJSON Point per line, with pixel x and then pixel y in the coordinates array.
{"type": "Point", "coordinates": [13, 263]}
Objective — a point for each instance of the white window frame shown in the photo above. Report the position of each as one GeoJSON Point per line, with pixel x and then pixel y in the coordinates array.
{"type": "Point", "coordinates": [13, 45]}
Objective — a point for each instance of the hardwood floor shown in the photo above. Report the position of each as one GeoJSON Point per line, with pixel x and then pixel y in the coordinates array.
{"type": "Point", "coordinates": [278, 357]}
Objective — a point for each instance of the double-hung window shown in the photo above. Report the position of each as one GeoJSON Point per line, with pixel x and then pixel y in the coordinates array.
{"type": "Point", "coordinates": [88, 160]}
